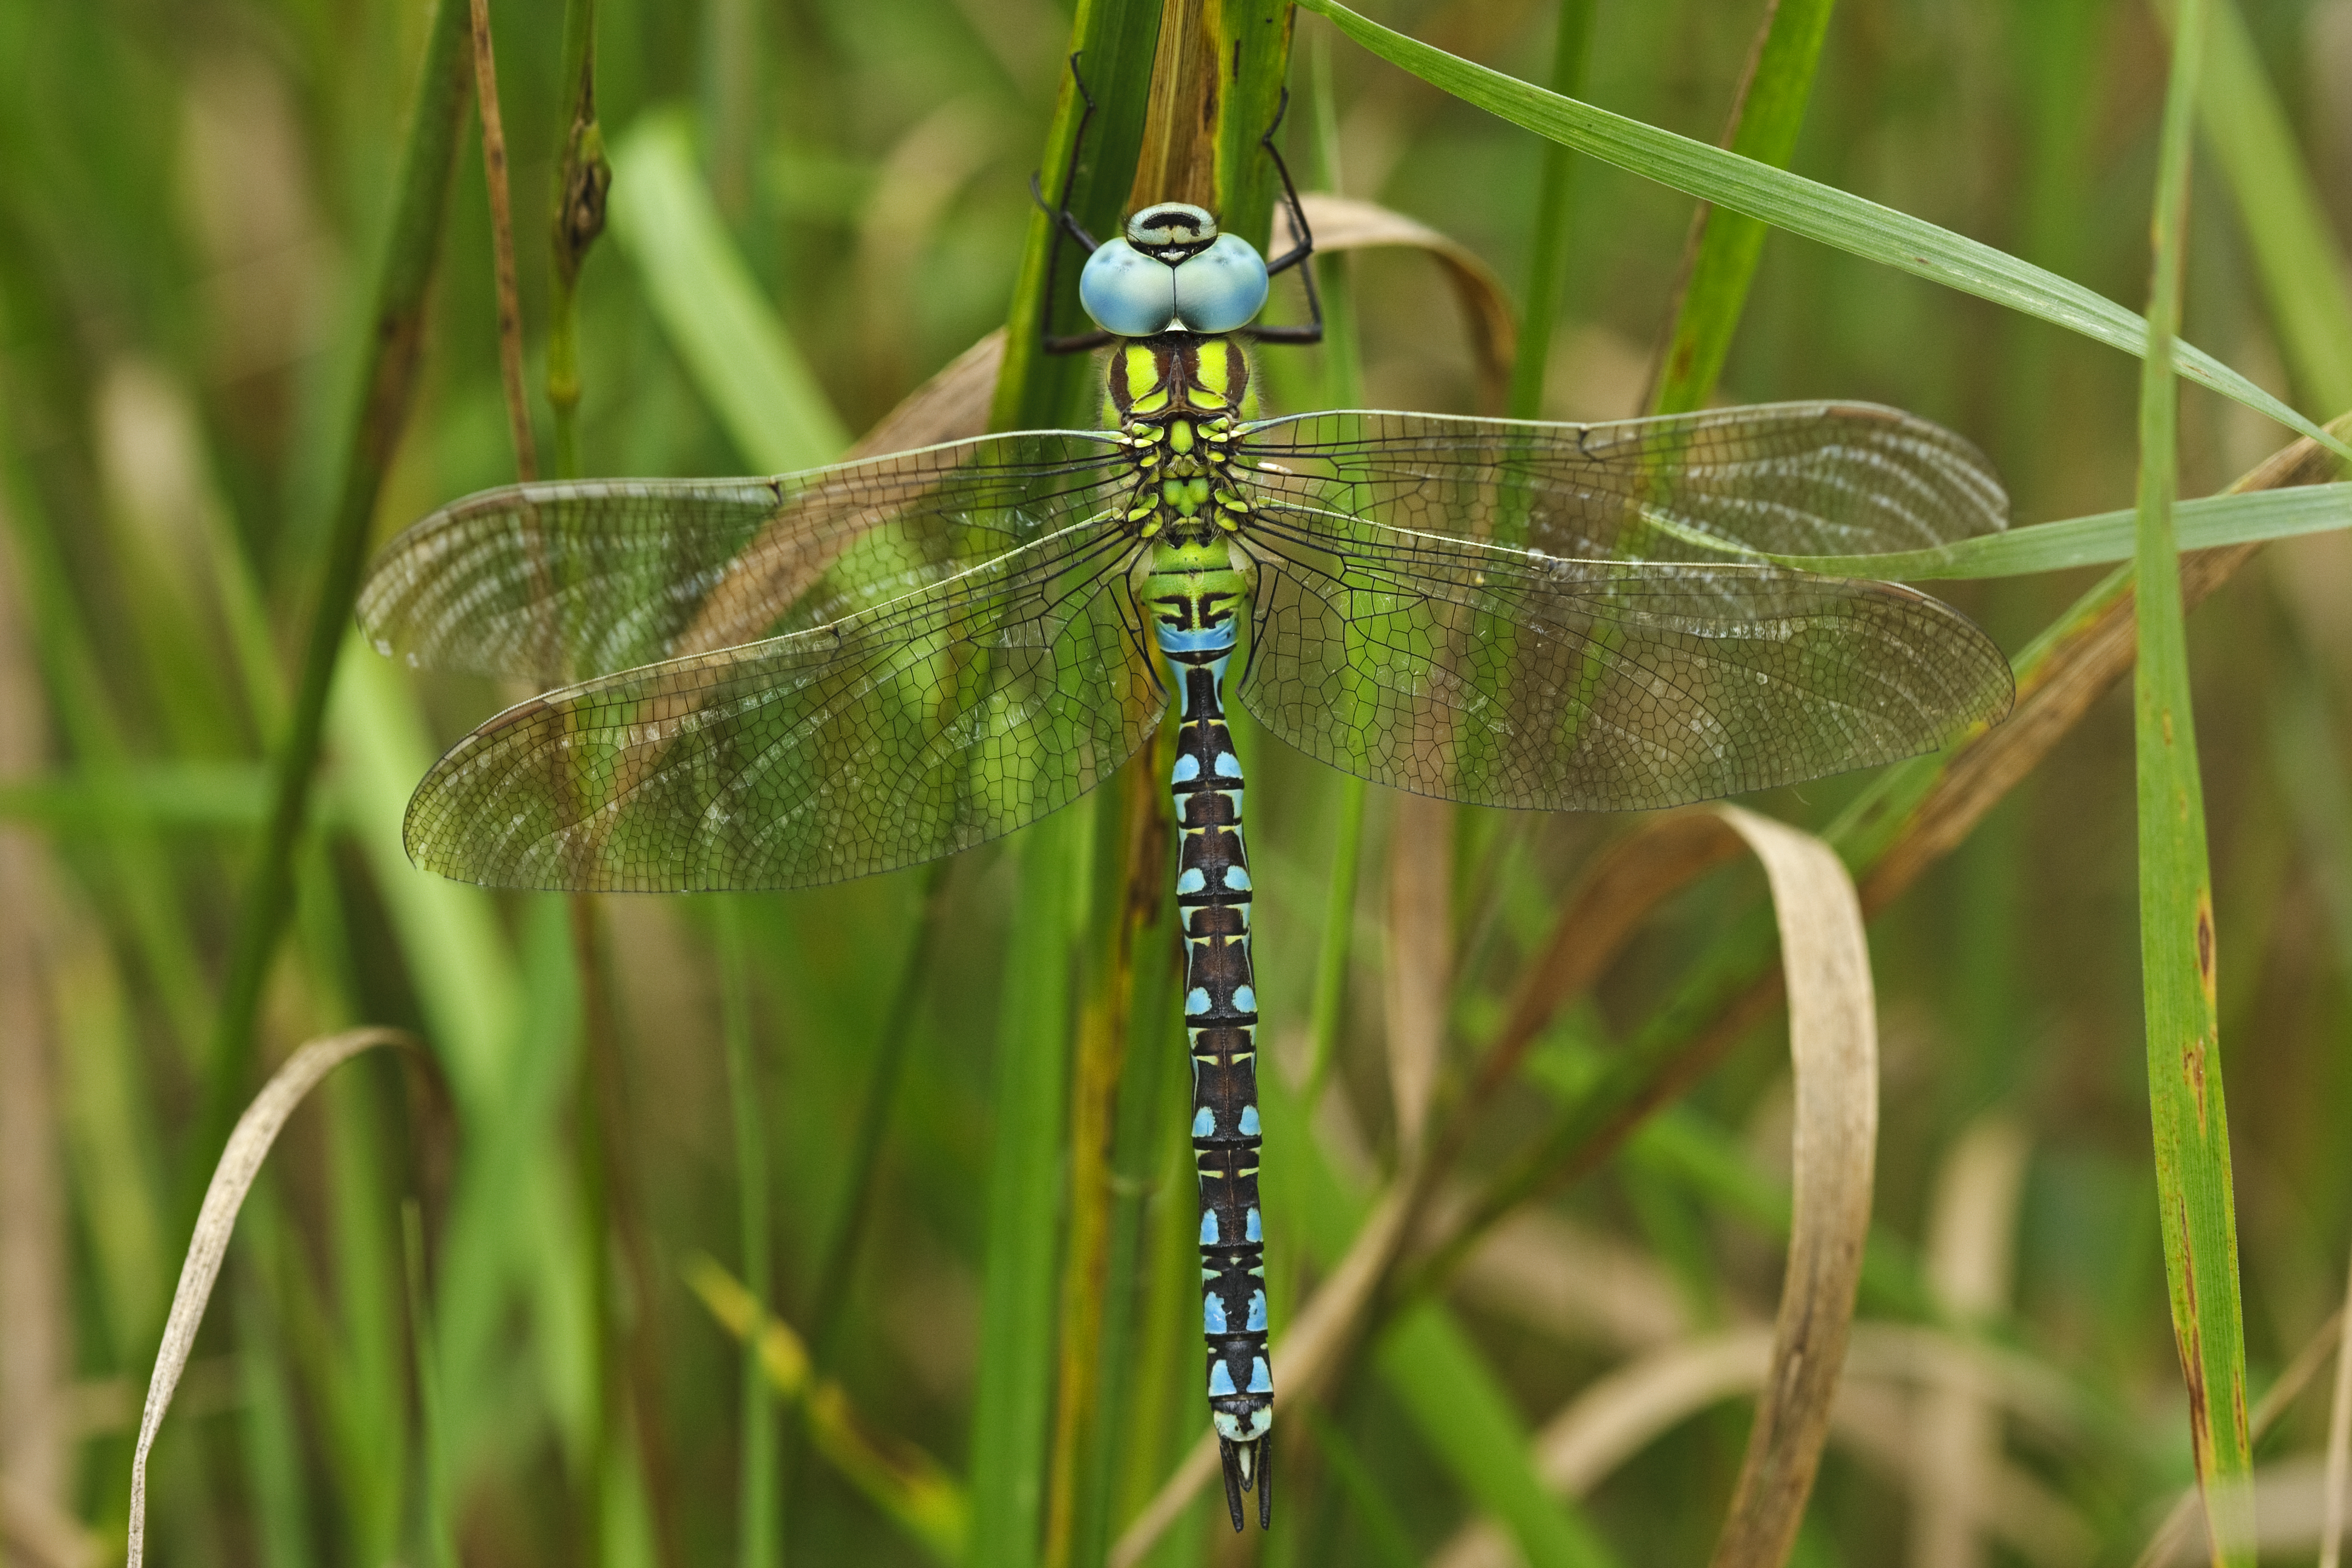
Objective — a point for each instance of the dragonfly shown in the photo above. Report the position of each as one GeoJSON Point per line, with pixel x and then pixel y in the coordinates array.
{"type": "Point", "coordinates": [788, 681]}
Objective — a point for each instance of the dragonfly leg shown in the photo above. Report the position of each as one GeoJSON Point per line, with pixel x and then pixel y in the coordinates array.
{"type": "Point", "coordinates": [1066, 222]}
{"type": "Point", "coordinates": [1299, 254]}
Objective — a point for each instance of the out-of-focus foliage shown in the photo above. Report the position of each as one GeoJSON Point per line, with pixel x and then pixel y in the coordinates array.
{"type": "Point", "coordinates": [191, 200]}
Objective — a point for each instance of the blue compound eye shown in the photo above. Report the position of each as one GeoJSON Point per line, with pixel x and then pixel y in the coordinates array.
{"type": "Point", "coordinates": [1221, 288]}
{"type": "Point", "coordinates": [1127, 291]}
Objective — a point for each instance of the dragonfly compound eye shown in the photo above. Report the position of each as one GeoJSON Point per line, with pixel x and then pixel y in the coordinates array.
{"type": "Point", "coordinates": [1221, 288]}
{"type": "Point", "coordinates": [1127, 292]}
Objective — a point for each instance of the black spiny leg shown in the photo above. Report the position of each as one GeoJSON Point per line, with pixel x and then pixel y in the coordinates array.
{"type": "Point", "coordinates": [1066, 222]}
{"type": "Point", "coordinates": [1298, 254]}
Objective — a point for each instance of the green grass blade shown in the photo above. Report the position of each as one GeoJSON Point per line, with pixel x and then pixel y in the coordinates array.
{"type": "Point", "coordinates": [756, 1509]}
{"type": "Point", "coordinates": [379, 410]}
{"type": "Point", "coordinates": [1017, 1320]}
{"type": "Point", "coordinates": [1115, 41]}
{"type": "Point", "coordinates": [1462, 1409]}
{"type": "Point", "coordinates": [1548, 274]}
{"type": "Point", "coordinates": [2295, 248]}
{"type": "Point", "coordinates": [2209, 523]}
{"type": "Point", "coordinates": [734, 345]}
{"type": "Point", "coordinates": [2176, 898]}
{"type": "Point", "coordinates": [1715, 294]}
{"type": "Point", "coordinates": [1802, 206]}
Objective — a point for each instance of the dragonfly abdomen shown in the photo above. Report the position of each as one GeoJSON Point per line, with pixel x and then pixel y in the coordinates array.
{"type": "Point", "coordinates": [1196, 618]}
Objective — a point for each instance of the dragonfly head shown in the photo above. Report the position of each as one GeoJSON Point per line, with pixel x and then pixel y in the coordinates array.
{"type": "Point", "coordinates": [1173, 272]}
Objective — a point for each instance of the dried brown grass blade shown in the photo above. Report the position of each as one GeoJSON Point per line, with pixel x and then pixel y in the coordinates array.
{"type": "Point", "coordinates": [1971, 1237]}
{"type": "Point", "coordinates": [1344, 223]}
{"type": "Point", "coordinates": [1420, 940]}
{"type": "Point", "coordinates": [2339, 1443]}
{"type": "Point", "coordinates": [1834, 1052]}
{"type": "Point", "coordinates": [1622, 1413]}
{"type": "Point", "coordinates": [232, 1177]}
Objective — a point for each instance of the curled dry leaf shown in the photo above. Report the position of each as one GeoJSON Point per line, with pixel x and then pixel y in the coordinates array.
{"type": "Point", "coordinates": [1344, 223]}
{"type": "Point", "coordinates": [1834, 1052]}
{"type": "Point", "coordinates": [240, 1162]}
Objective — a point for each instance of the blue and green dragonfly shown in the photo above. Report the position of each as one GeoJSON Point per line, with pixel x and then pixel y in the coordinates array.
{"type": "Point", "coordinates": [785, 683]}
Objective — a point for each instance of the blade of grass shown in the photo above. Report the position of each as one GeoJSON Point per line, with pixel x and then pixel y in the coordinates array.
{"type": "Point", "coordinates": [428, 161]}
{"type": "Point", "coordinates": [1720, 260]}
{"type": "Point", "coordinates": [240, 1162]}
{"type": "Point", "coordinates": [575, 218]}
{"type": "Point", "coordinates": [733, 344]}
{"type": "Point", "coordinates": [2176, 936]}
{"type": "Point", "coordinates": [756, 1510]}
{"type": "Point", "coordinates": [906, 1484]}
{"type": "Point", "coordinates": [2287, 228]}
{"type": "Point", "coordinates": [1114, 42]}
{"type": "Point", "coordinates": [440, 1542]}
{"type": "Point", "coordinates": [1802, 206]}
{"type": "Point", "coordinates": [2209, 523]}
{"type": "Point", "coordinates": [1554, 193]}
{"type": "Point", "coordinates": [1012, 1407]}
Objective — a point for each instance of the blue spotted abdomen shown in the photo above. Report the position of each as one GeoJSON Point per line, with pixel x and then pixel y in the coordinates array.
{"type": "Point", "coordinates": [1197, 636]}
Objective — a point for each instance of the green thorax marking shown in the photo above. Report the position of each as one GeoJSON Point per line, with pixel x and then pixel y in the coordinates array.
{"type": "Point", "coordinates": [1176, 397]}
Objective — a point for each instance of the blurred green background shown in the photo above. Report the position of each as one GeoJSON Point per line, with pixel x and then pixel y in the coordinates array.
{"type": "Point", "coordinates": [192, 201]}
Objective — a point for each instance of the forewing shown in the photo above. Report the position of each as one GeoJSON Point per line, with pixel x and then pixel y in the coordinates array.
{"type": "Point", "coordinates": [560, 581]}
{"type": "Point", "coordinates": [912, 731]}
{"type": "Point", "coordinates": [1811, 479]}
{"type": "Point", "coordinates": [1486, 675]}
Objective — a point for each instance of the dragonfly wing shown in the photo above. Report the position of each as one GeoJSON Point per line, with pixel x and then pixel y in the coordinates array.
{"type": "Point", "coordinates": [908, 731]}
{"type": "Point", "coordinates": [1797, 478]}
{"type": "Point", "coordinates": [565, 581]}
{"type": "Point", "coordinates": [1491, 676]}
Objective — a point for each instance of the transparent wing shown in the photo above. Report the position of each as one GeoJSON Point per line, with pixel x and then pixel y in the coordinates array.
{"type": "Point", "coordinates": [1798, 478]}
{"type": "Point", "coordinates": [1489, 675]}
{"type": "Point", "coordinates": [566, 581]}
{"type": "Point", "coordinates": [910, 731]}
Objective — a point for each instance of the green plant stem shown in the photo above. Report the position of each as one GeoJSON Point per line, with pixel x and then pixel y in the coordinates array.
{"type": "Point", "coordinates": [756, 1513]}
{"type": "Point", "coordinates": [1013, 1405]}
{"type": "Point", "coordinates": [2178, 947]}
{"type": "Point", "coordinates": [1555, 194]}
{"type": "Point", "coordinates": [397, 322]}
{"type": "Point", "coordinates": [1719, 261]}
{"type": "Point", "coordinates": [1115, 42]}
{"type": "Point", "coordinates": [575, 217]}
{"type": "Point", "coordinates": [440, 1538]}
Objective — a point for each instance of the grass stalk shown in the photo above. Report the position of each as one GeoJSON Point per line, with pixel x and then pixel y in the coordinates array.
{"type": "Point", "coordinates": [1555, 203]}
{"type": "Point", "coordinates": [2178, 944]}
{"type": "Point", "coordinates": [503, 251]}
{"type": "Point", "coordinates": [1114, 43]}
{"type": "Point", "coordinates": [397, 322]}
{"type": "Point", "coordinates": [756, 1508]}
{"type": "Point", "coordinates": [1013, 1405]}
{"type": "Point", "coordinates": [1720, 256]}
{"type": "Point", "coordinates": [576, 217]}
